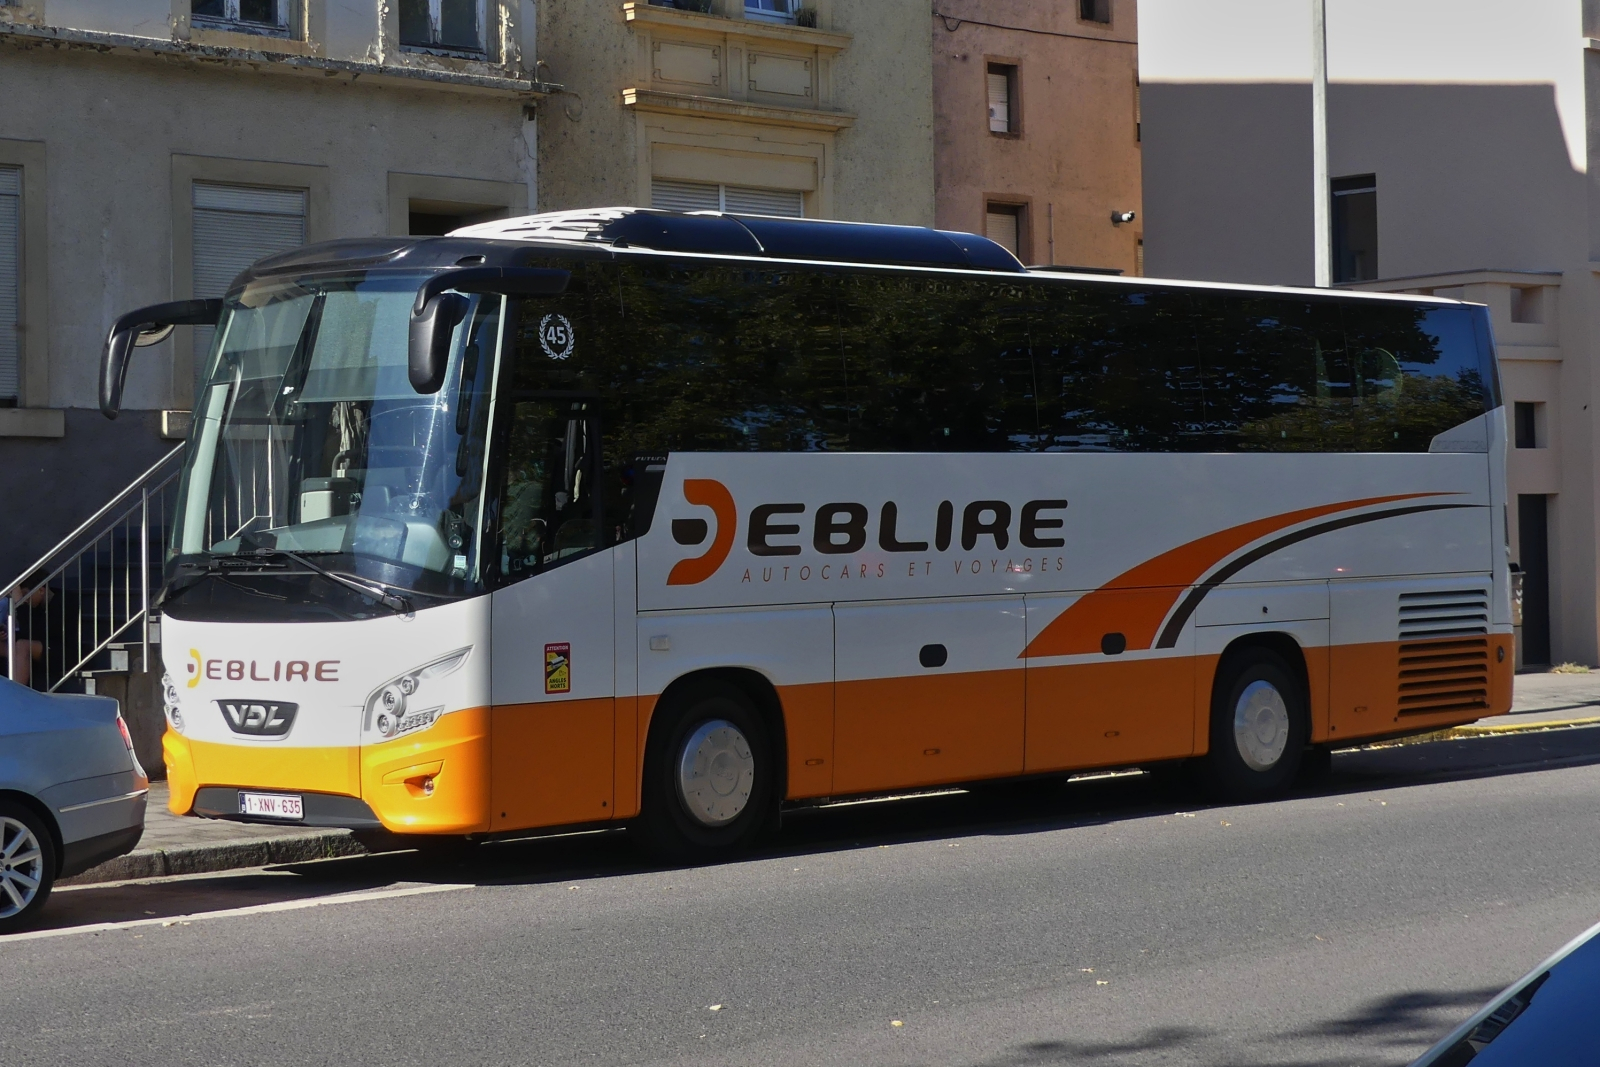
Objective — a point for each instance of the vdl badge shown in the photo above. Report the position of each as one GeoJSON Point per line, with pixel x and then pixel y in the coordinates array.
{"type": "Point", "coordinates": [558, 668]}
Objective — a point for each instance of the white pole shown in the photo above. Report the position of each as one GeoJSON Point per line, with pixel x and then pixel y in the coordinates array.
{"type": "Point", "coordinates": [1321, 211]}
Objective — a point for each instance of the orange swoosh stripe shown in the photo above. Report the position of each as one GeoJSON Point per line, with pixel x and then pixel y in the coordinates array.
{"type": "Point", "coordinates": [707, 493]}
{"type": "Point", "coordinates": [1135, 601]}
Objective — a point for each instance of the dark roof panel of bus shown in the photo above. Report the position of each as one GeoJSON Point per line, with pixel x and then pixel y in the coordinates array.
{"type": "Point", "coordinates": [714, 233]}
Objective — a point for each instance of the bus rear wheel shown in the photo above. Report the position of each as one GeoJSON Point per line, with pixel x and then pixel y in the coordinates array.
{"type": "Point", "coordinates": [1259, 727]}
{"type": "Point", "coordinates": [709, 777]}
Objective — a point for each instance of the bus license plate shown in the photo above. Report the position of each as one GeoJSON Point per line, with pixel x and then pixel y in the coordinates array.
{"type": "Point", "coordinates": [271, 805]}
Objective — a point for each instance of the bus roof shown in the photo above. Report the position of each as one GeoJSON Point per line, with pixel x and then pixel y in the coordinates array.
{"type": "Point", "coordinates": [767, 236]}
{"type": "Point", "coordinates": [723, 235]}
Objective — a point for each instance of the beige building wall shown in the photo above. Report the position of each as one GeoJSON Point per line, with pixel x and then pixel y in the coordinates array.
{"type": "Point", "coordinates": [114, 108]}
{"type": "Point", "coordinates": [840, 112]}
{"type": "Point", "coordinates": [1072, 156]}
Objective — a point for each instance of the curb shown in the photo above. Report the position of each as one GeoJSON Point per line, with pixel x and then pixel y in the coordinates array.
{"type": "Point", "coordinates": [223, 856]}
{"type": "Point", "coordinates": [1461, 733]}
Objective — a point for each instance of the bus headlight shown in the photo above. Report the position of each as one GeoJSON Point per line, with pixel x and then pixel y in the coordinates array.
{"type": "Point", "coordinates": [169, 702]}
{"type": "Point", "coordinates": [407, 704]}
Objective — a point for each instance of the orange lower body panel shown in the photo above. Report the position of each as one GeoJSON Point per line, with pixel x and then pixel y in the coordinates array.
{"type": "Point", "coordinates": [1387, 687]}
{"type": "Point", "coordinates": [897, 733]}
{"type": "Point", "coordinates": [554, 763]}
{"type": "Point", "coordinates": [454, 753]}
{"type": "Point", "coordinates": [1110, 713]}
{"type": "Point", "coordinates": [808, 719]}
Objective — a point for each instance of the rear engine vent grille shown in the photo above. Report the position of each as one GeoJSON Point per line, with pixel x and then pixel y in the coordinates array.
{"type": "Point", "coordinates": [1444, 652]}
{"type": "Point", "coordinates": [1450, 613]}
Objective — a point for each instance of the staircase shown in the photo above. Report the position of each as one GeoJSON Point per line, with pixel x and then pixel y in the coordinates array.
{"type": "Point", "coordinates": [79, 621]}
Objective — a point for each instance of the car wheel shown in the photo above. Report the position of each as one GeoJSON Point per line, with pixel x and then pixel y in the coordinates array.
{"type": "Point", "coordinates": [27, 866]}
{"type": "Point", "coordinates": [1259, 727]}
{"type": "Point", "coordinates": [710, 781]}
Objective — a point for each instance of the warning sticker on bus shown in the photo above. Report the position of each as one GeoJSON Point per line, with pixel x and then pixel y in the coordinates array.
{"type": "Point", "coordinates": [558, 668]}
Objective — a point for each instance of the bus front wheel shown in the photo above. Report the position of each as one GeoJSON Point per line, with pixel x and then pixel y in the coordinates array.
{"type": "Point", "coordinates": [709, 775]}
{"type": "Point", "coordinates": [1259, 727]}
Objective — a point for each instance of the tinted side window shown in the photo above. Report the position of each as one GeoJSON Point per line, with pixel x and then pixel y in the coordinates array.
{"type": "Point", "coordinates": [1290, 375]}
{"type": "Point", "coordinates": [1117, 371]}
{"type": "Point", "coordinates": [936, 364]}
{"type": "Point", "coordinates": [725, 359]}
{"type": "Point", "coordinates": [695, 357]}
{"type": "Point", "coordinates": [1409, 373]}
{"type": "Point", "coordinates": [1264, 365]}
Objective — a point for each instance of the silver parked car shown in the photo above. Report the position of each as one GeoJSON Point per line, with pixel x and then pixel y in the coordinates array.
{"type": "Point", "coordinates": [72, 793]}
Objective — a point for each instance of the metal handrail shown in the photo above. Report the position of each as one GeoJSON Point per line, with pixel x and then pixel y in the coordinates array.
{"type": "Point", "coordinates": [112, 597]}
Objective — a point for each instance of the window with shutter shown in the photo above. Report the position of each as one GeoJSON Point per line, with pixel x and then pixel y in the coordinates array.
{"type": "Point", "coordinates": [1000, 225]}
{"type": "Point", "coordinates": [672, 195]}
{"type": "Point", "coordinates": [10, 285]}
{"type": "Point", "coordinates": [749, 201]}
{"type": "Point", "coordinates": [1002, 106]}
{"type": "Point", "coordinates": [685, 196]}
{"type": "Point", "coordinates": [235, 225]}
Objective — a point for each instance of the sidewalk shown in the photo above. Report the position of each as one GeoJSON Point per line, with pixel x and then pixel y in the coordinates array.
{"type": "Point", "coordinates": [175, 844]}
{"type": "Point", "coordinates": [1539, 697]}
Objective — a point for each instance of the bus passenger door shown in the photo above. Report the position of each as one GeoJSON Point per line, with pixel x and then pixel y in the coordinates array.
{"type": "Point", "coordinates": [553, 639]}
{"type": "Point", "coordinates": [927, 692]}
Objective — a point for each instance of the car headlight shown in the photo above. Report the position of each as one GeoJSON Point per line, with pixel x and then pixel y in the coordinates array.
{"type": "Point", "coordinates": [408, 703]}
{"type": "Point", "coordinates": [169, 702]}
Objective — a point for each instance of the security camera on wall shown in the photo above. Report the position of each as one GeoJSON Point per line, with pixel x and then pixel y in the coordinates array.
{"type": "Point", "coordinates": [1119, 217]}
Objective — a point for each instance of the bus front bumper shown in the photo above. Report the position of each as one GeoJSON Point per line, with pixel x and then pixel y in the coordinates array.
{"type": "Point", "coordinates": [432, 782]}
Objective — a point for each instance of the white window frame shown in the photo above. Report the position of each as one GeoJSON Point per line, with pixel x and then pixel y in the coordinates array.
{"type": "Point", "coordinates": [230, 20]}
{"type": "Point", "coordinates": [755, 12]}
{"type": "Point", "coordinates": [435, 20]}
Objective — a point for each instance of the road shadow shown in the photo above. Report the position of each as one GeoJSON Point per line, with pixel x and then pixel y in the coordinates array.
{"type": "Point", "coordinates": [1038, 806]}
{"type": "Point", "coordinates": [1389, 1030]}
{"type": "Point", "coordinates": [1015, 809]}
{"type": "Point", "coordinates": [122, 902]}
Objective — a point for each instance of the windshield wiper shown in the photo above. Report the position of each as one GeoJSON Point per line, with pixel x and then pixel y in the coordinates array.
{"type": "Point", "coordinates": [399, 604]}
{"type": "Point", "coordinates": [211, 566]}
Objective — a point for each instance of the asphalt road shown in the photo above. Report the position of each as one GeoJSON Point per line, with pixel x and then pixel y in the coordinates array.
{"type": "Point", "coordinates": [1105, 922]}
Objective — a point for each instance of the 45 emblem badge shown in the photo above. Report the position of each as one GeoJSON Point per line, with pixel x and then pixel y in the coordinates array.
{"type": "Point", "coordinates": [555, 336]}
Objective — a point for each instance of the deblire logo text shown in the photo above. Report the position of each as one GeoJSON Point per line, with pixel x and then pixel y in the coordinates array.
{"type": "Point", "coordinates": [847, 527]}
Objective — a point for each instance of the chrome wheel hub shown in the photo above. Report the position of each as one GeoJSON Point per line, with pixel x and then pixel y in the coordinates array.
{"type": "Point", "coordinates": [21, 867]}
{"type": "Point", "coordinates": [1261, 725]}
{"type": "Point", "coordinates": [716, 770]}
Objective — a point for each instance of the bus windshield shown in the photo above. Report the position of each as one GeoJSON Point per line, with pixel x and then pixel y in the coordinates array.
{"type": "Point", "coordinates": [310, 442]}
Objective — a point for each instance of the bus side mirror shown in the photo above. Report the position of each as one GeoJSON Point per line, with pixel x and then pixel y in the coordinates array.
{"type": "Point", "coordinates": [440, 307]}
{"type": "Point", "coordinates": [137, 329]}
{"type": "Point", "coordinates": [432, 326]}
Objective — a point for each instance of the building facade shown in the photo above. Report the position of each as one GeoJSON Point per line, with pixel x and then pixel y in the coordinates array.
{"type": "Point", "coordinates": [1037, 136]}
{"type": "Point", "coordinates": [150, 149]}
{"type": "Point", "coordinates": [1463, 162]}
{"type": "Point", "coordinates": [823, 110]}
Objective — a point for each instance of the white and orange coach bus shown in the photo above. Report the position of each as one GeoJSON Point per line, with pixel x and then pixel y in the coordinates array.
{"type": "Point", "coordinates": [637, 517]}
